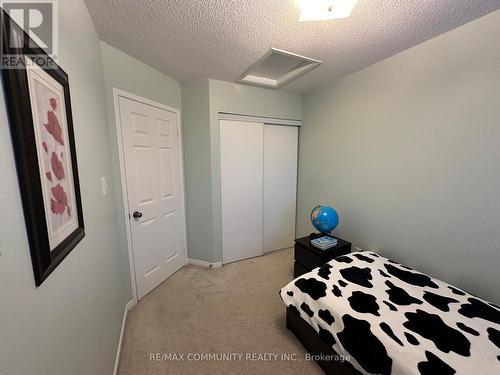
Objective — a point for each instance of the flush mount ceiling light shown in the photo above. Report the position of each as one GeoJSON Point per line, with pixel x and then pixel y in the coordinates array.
{"type": "Point", "coordinates": [277, 68]}
{"type": "Point", "coordinates": [317, 10]}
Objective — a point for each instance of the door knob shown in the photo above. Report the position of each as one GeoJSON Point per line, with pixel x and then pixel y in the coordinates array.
{"type": "Point", "coordinates": [137, 215]}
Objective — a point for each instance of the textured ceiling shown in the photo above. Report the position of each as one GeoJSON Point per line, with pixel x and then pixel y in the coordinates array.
{"type": "Point", "coordinates": [220, 39]}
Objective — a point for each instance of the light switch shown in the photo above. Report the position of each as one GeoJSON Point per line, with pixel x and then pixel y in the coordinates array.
{"type": "Point", "coordinates": [104, 186]}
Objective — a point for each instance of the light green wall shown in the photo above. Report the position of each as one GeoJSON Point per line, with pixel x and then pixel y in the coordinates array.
{"type": "Point", "coordinates": [408, 151]}
{"type": "Point", "coordinates": [71, 323]}
{"type": "Point", "coordinates": [196, 136]}
{"type": "Point", "coordinates": [255, 101]}
{"type": "Point", "coordinates": [126, 73]}
{"type": "Point", "coordinates": [246, 100]}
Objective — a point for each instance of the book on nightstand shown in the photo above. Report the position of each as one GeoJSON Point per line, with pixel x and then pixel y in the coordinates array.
{"type": "Point", "coordinates": [324, 243]}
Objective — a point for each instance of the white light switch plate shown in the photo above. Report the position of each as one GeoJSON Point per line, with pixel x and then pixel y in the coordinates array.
{"type": "Point", "coordinates": [104, 186]}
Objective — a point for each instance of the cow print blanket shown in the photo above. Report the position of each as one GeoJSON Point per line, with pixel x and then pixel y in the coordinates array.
{"type": "Point", "coordinates": [390, 319]}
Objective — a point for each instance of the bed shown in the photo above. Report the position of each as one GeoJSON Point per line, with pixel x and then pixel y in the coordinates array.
{"type": "Point", "coordinates": [363, 313]}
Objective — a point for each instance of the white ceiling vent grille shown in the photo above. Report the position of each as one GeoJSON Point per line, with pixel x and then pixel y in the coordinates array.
{"type": "Point", "coordinates": [277, 68]}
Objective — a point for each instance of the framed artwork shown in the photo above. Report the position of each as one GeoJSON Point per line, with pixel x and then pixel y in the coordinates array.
{"type": "Point", "coordinates": [41, 122]}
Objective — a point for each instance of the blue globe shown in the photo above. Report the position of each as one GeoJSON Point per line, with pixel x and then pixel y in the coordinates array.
{"type": "Point", "coordinates": [324, 218]}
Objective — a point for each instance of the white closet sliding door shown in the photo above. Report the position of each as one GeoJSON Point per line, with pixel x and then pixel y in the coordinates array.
{"type": "Point", "coordinates": [258, 187]}
{"type": "Point", "coordinates": [280, 186]}
{"type": "Point", "coordinates": [241, 188]}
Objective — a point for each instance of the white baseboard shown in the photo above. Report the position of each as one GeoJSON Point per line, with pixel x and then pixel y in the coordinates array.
{"type": "Point", "coordinates": [205, 264]}
{"type": "Point", "coordinates": [128, 306]}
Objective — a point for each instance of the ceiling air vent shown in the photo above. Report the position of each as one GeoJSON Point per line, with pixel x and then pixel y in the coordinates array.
{"type": "Point", "coordinates": [277, 68]}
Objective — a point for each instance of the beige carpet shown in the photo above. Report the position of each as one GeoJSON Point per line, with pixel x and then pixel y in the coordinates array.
{"type": "Point", "coordinates": [235, 309]}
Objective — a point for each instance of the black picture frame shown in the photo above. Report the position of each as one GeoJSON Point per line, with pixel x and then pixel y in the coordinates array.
{"type": "Point", "coordinates": [21, 120]}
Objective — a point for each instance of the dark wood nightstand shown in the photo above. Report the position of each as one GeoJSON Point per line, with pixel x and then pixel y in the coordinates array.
{"type": "Point", "coordinates": [307, 257]}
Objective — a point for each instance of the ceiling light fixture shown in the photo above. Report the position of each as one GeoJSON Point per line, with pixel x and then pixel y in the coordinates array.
{"type": "Point", "coordinates": [318, 10]}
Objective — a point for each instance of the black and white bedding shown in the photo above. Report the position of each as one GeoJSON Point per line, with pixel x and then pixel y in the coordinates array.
{"type": "Point", "coordinates": [389, 319]}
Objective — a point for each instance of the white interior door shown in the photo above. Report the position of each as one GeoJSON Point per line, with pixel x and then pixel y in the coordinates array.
{"type": "Point", "coordinates": [241, 187]}
{"type": "Point", "coordinates": [280, 185]}
{"type": "Point", "coordinates": [153, 176]}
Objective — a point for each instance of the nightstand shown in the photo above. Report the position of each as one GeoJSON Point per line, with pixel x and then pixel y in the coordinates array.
{"type": "Point", "coordinates": [307, 257]}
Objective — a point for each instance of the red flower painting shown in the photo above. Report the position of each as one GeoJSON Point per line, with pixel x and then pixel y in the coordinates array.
{"type": "Point", "coordinates": [57, 167]}
{"type": "Point", "coordinates": [59, 201]}
{"type": "Point", "coordinates": [49, 176]}
{"type": "Point", "coordinates": [53, 103]}
{"type": "Point", "coordinates": [53, 127]}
